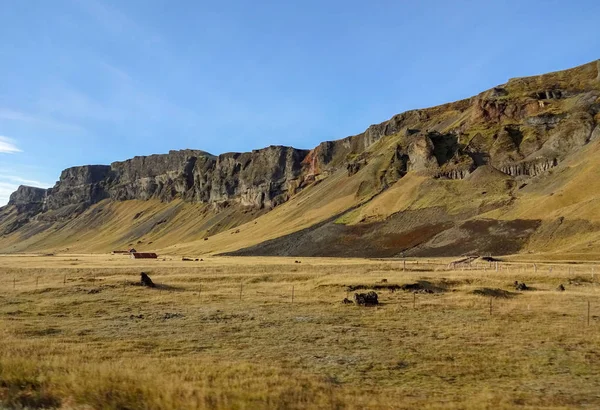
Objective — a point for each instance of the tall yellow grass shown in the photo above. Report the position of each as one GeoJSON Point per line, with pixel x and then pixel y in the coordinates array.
{"type": "Point", "coordinates": [99, 341]}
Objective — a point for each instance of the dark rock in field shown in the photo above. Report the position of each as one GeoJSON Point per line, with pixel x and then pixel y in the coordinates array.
{"type": "Point", "coordinates": [366, 299]}
{"type": "Point", "coordinates": [297, 262]}
{"type": "Point", "coordinates": [383, 280]}
{"type": "Point", "coordinates": [146, 281]}
{"type": "Point", "coordinates": [560, 288]}
{"type": "Point", "coordinates": [93, 291]}
{"type": "Point", "coordinates": [347, 301]}
{"type": "Point", "coordinates": [521, 286]}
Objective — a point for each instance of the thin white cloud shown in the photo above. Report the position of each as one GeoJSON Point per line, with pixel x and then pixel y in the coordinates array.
{"type": "Point", "coordinates": [23, 181]}
{"type": "Point", "coordinates": [8, 146]}
{"type": "Point", "coordinates": [116, 72]}
{"type": "Point", "coordinates": [8, 114]}
{"type": "Point", "coordinates": [11, 115]}
{"type": "Point", "coordinates": [115, 22]}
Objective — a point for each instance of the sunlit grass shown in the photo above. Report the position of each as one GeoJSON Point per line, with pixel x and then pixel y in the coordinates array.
{"type": "Point", "coordinates": [100, 341]}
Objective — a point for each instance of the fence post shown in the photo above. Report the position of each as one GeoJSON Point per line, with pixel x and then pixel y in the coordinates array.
{"type": "Point", "coordinates": [292, 294]}
{"type": "Point", "coordinates": [491, 304]}
{"type": "Point", "coordinates": [588, 316]}
{"type": "Point", "coordinates": [241, 289]}
{"type": "Point", "coordinates": [65, 280]}
{"type": "Point", "coordinates": [414, 300]}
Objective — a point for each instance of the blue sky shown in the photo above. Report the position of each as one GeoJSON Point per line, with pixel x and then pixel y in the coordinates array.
{"type": "Point", "coordinates": [95, 81]}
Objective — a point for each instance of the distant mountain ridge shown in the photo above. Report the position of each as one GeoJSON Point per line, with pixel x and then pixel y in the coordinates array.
{"type": "Point", "coordinates": [522, 130]}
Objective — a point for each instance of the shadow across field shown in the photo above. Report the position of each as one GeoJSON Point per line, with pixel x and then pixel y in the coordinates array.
{"type": "Point", "coordinates": [495, 293]}
{"type": "Point", "coordinates": [159, 286]}
{"type": "Point", "coordinates": [420, 286]}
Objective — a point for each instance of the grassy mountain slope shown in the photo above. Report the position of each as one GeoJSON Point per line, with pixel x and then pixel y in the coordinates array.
{"type": "Point", "coordinates": [510, 170]}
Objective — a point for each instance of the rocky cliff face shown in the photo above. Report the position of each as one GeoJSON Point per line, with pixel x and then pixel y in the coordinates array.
{"type": "Point", "coordinates": [27, 195]}
{"type": "Point", "coordinates": [258, 179]}
{"type": "Point", "coordinates": [164, 177]}
{"type": "Point", "coordinates": [262, 178]}
{"type": "Point", "coordinates": [79, 185]}
{"type": "Point", "coordinates": [522, 128]}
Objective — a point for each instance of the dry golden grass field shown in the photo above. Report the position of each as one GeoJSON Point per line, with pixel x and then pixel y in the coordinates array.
{"type": "Point", "coordinates": [77, 331]}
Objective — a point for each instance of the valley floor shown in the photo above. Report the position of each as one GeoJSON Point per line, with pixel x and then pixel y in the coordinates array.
{"type": "Point", "coordinates": [77, 331]}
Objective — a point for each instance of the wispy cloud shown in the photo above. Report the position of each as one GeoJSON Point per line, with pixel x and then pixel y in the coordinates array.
{"type": "Point", "coordinates": [125, 102]}
{"type": "Point", "coordinates": [117, 23]}
{"type": "Point", "coordinates": [8, 114]}
{"type": "Point", "coordinates": [115, 71]}
{"type": "Point", "coordinates": [23, 181]}
{"type": "Point", "coordinates": [8, 146]}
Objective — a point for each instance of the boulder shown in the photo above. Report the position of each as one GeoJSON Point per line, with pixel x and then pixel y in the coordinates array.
{"type": "Point", "coordinates": [146, 281]}
{"type": "Point", "coordinates": [366, 299]}
{"type": "Point", "coordinates": [521, 286]}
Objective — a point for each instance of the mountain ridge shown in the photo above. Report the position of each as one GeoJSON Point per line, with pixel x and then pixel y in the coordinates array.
{"type": "Point", "coordinates": [524, 129]}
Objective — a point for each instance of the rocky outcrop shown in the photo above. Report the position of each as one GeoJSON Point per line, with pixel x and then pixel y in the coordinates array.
{"type": "Point", "coordinates": [27, 195]}
{"type": "Point", "coordinates": [258, 179]}
{"type": "Point", "coordinates": [25, 203]}
{"type": "Point", "coordinates": [530, 168]}
{"type": "Point", "coordinates": [164, 177]}
{"type": "Point", "coordinates": [79, 185]}
{"type": "Point", "coordinates": [497, 110]}
{"type": "Point", "coordinates": [420, 154]}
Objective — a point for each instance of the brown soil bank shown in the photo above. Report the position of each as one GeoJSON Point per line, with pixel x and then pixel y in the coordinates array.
{"type": "Point", "coordinates": [396, 237]}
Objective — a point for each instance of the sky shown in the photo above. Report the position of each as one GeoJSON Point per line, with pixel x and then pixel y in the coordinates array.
{"type": "Point", "coordinates": [97, 81]}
